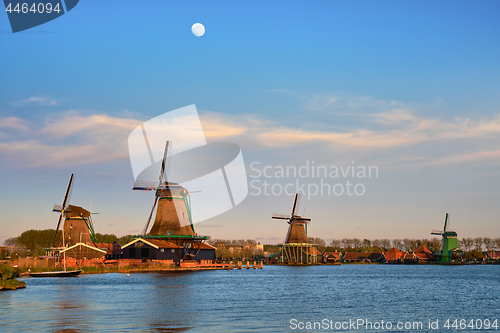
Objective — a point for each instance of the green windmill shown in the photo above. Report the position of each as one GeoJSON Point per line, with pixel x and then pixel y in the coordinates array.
{"type": "Point", "coordinates": [450, 242]}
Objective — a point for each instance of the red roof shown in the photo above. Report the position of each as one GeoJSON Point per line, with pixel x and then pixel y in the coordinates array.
{"type": "Point", "coordinates": [394, 254]}
{"type": "Point", "coordinates": [424, 253]}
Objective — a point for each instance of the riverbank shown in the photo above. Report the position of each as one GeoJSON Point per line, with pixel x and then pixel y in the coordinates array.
{"type": "Point", "coordinates": [11, 284]}
{"type": "Point", "coordinates": [7, 279]}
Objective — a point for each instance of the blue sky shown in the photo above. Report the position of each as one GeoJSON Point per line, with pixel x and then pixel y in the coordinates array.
{"type": "Point", "coordinates": [409, 86]}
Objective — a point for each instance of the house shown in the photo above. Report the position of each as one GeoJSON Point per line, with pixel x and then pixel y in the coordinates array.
{"type": "Point", "coordinates": [492, 255]}
{"type": "Point", "coordinates": [410, 258]}
{"type": "Point", "coordinates": [82, 250]}
{"type": "Point", "coordinates": [394, 255]}
{"type": "Point", "coordinates": [156, 249]}
{"type": "Point", "coordinates": [333, 257]}
{"type": "Point", "coordinates": [113, 251]}
{"type": "Point", "coordinates": [364, 257]}
{"type": "Point", "coordinates": [424, 254]}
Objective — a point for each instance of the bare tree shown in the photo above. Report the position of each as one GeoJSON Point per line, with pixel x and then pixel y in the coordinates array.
{"type": "Point", "coordinates": [487, 243]}
{"type": "Point", "coordinates": [385, 244]}
{"type": "Point", "coordinates": [478, 243]}
{"type": "Point", "coordinates": [398, 243]}
{"type": "Point", "coordinates": [497, 243]}
{"type": "Point", "coordinates": [337, 243]}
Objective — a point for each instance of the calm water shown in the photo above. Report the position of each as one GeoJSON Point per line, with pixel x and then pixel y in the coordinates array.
{"type": "Point", "coordinates": [254, 300]}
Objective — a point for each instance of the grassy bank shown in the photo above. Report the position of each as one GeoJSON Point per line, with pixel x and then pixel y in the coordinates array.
{"type": "Point", "coordinates": [7, 279]}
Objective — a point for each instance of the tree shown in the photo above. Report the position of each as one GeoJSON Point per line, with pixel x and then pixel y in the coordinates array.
{"type": "Point", "coordinates": [478, 243]}
{"type": "Point", "coordinates": [125, 239]}
{"type": "Point", "coordinates": [13, 241]}
{"type": "Point", "coordinates": [466, 244]}
{"type": "Point", "coordinates": [488, 242]}
{"type": "Point", "coordinates": [367, 244]}
{"type": "Point", "coordinates": [106, 238]}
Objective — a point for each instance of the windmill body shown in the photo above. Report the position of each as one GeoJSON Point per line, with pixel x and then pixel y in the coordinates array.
{"type": "Point", "coordinates": [75, 227]}
{"type": "Point", "coordinates": [173, 212]}
{"type": "Point", "coordinates": [450, 242]}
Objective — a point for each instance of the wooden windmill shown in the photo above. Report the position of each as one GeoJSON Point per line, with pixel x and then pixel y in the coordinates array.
{"type": "Point", "coordinates": [296, 248]}
{"type": "Point", "coordinates": [77, 226]}
{"type": "Point", "coordinates": [297, 229]}
{"type": "Point", "coordinates": [173, 221]}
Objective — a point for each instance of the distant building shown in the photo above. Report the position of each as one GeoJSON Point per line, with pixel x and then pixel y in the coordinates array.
{"type": "Point", "coordinates": [333, 257]}
{"type": "Point", "coordinates": [492, 255]}
{"type": "Point", "coordinates": [424, 254]}
{"type": "Point", "coordinates": [394, 255]}
{"type": "Point", "coordinates": [364, 257]}
{"type": "Point", "coordinates": [156, 249]}
{"type": "Point", "coordinates": [113, 251]}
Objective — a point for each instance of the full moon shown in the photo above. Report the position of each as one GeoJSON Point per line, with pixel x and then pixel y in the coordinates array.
{"type": "Point", "coordinates": [198, 29]}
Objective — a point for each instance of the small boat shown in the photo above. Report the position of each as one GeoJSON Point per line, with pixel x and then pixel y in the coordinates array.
{"type": "Point", "coordinates": [56, 274]}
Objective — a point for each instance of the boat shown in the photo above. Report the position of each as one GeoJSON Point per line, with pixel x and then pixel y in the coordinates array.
{"type": "Point", "coordinates": [56, 274]}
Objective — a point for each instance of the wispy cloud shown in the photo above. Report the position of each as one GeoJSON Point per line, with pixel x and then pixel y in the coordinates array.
{"type": "Point", "coordinates": [13, 123]}
{"type": "Point", "coordinates": [37, 100]}
{"type": "Point", "coordinates": [72, 139]}
{"type": "Point", "coordinates": [395, 130]}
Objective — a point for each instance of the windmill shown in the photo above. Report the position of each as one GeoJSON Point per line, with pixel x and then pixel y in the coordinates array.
{"type": "Point", "coordinates": [450, 241]}
{"type": "Point", "coordinates": [296, 248]}
{"type": "Point", "coordinates": [297, 229]}
{"type": "Point", "coordinates": [77, 226]}
{"type": "Point", "coordinates": [173, 221]}
{"type": "Point", "coordinates": [173, 216]}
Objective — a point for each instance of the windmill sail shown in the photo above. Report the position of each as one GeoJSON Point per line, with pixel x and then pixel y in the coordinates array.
{"type": "Point", "coordinates": [65, 203]}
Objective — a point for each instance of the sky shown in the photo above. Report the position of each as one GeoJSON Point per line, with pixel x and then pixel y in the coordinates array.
{"type": "Point", "coordinates": [409, 88]}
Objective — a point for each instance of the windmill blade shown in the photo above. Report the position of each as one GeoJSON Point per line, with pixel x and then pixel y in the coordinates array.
{"type": "Point", "coordinates": [436, 232]}
{"type": "Point", "coordinates": [142, 185]}
{"type": "Point", "coordinates": [57, 229]}
{"type": "Point", "coordinates": [280, 216]}
{"type": "Point", "coordinates": [296, 202]}
{"type": "Point", "coordinates": [145, 230]}
{"type": "Point", "coordinates": [69, 191]}
{"type": "Point", "coordinates": [445, 222]}
{"type": "Point", "coordinates": [61, 208]}
{"type": "Point", "coordinates": [161, 175]}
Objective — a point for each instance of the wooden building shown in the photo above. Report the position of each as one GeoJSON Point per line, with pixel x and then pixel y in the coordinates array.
{"type": "Point", "coordinates": [364, 257]}
{"type": "Point", "coordinates": [394, 256]}
{"type": "Point", "coordinates": [333, 257]}
{"type": "Point", "coordinates": [81, 251]}
{"type": "Point", "coordinates": [156, 249]}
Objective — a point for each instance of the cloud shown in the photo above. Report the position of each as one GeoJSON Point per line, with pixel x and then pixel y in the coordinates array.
{"type": "Point", "coordinates": [403, 129]}
{"type": "Point", "coordinates": [72, 139]}
{"type": "Point", "coordinates": [14, 123]}
{"type": "Point", "coordinates": [38, 100]}
{"type": "Point", "coordinates": [463, 158]}
{"type": "Point", "coordinates": [394, 129]}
